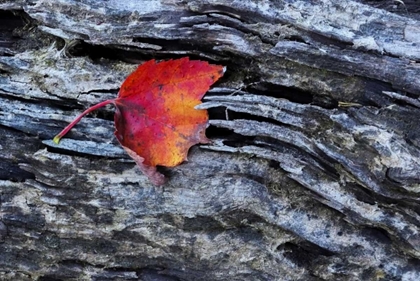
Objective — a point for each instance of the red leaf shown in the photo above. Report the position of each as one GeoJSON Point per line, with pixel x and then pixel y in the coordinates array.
{"type": "Point", "coordinates": [155, 119]}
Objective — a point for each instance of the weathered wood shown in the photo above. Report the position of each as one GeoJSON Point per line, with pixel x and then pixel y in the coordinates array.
{"type": "Point", "coordinates": [312, 173]}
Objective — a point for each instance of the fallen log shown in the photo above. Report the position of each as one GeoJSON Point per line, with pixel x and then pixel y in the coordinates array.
{"type": "Point", "coordinates": [312, 172]}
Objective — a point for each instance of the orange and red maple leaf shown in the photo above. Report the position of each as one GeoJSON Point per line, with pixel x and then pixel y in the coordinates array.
{"type": "Point", "coordinates": [155, 119]}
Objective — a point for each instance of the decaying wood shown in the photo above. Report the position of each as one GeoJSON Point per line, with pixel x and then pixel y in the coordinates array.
{"type": "Point", "coordinates": [313, 172]}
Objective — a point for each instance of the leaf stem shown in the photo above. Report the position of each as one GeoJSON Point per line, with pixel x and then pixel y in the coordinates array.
{"type": "Point", "coordinates": [58, 137]}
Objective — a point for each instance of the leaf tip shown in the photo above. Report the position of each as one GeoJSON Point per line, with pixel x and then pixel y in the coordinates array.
{"type": "Point", "coordinates": [150, 171]}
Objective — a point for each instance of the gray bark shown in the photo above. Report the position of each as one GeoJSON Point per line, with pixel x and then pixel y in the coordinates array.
{"type": "Point", "coordinates": [313, 172]}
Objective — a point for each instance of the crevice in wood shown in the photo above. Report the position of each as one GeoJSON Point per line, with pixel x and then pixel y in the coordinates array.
{"type": "Point", "coordinates": [277, 91]}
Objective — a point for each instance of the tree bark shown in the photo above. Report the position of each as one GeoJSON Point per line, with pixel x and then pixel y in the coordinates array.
{"type": "Point", "coordinates": [313, 172]}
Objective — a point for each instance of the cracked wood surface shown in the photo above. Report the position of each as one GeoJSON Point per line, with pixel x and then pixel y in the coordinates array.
{"type": "Point", "coordinates": [312, 173]}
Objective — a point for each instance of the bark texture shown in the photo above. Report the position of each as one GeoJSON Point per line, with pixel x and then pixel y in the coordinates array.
{"type": "Point", "coordinates": [313, 172]}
